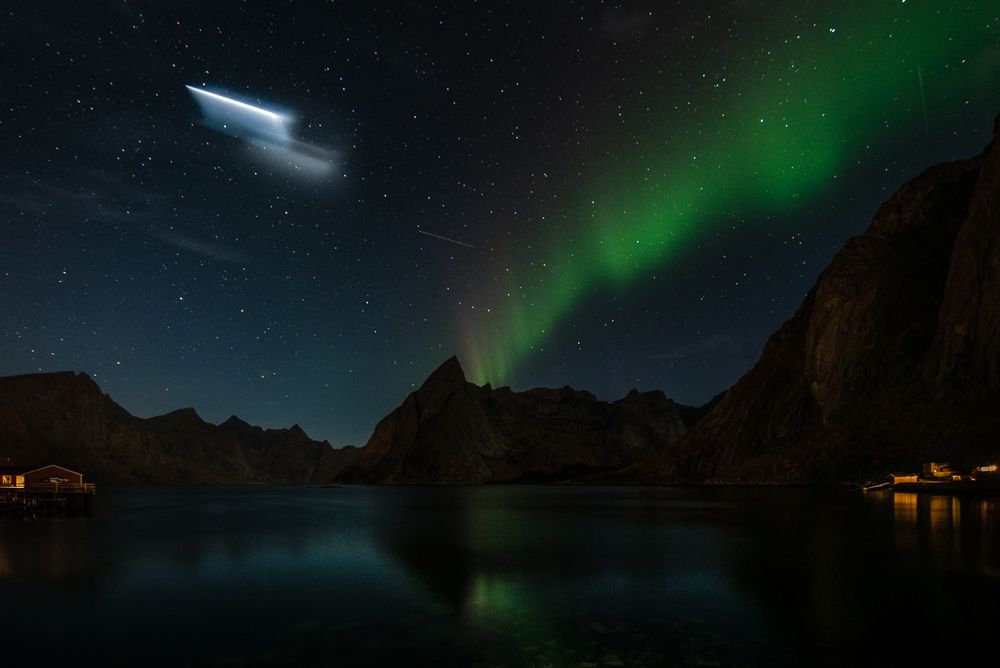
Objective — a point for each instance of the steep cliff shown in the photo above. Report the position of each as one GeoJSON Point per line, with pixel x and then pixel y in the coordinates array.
{"type": "Point", "coordinates": [893, 357]}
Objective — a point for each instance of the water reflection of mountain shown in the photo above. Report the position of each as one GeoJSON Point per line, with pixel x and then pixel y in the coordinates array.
{"type": "Point", "coordinates": [808, 570]}
{"type": "Point", "coordinates": [450, 537]}
{"type": "Point", "coordinates": [561, 567]}
{"type": "Point", "coordinates": [545, 568]}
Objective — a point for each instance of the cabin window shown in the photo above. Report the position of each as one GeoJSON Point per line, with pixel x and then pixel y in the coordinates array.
{"type": "Point", "coordinates": [5, 480]}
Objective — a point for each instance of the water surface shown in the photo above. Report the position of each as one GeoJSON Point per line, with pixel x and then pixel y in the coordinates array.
{"type": "Point", "coordinates": [503, 576]}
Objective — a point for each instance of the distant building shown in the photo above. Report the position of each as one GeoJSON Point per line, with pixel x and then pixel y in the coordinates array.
{"type": "Point", "coordinates": [52, 475]}
{"type": "Point", "coordinates": [41, 489]}
{"type": "Point", "coordinates": [938, 470]}
{"type": "Point", "coordinates": [988, 472]}
{"type": "Point", "coordinates": [896, 478]}
{"type": "Point", "coordinates": [21, 477]}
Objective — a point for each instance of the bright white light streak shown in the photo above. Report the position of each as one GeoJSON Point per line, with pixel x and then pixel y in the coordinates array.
{"type": "Point", "coordinates": [236, 103]}
{"type": "Point", "coordinates": [240, 119]}
{"type": "Point", "coordinates": [266, 134]}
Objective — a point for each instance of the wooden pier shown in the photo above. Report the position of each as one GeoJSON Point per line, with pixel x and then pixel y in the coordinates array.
{"type": "Point", "coordinates": [874, 486]}
{"type": "Point", "coordinates": [46, 498]}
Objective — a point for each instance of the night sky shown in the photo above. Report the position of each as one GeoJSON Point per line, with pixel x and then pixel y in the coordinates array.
{"type": "Point", "coordinates": [605, 195]}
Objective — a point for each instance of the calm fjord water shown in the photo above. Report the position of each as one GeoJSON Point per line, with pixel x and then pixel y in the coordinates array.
{"type": "Point", "coordinates": [502, 575]}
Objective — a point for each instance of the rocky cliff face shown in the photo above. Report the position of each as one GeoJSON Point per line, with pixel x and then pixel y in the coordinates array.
{"type": "Point", "coordinates": [452, 431]}
{"type": "Point", "coordinates": [893, 358]}
{"type": "Point", "coordinates": [64, 418]}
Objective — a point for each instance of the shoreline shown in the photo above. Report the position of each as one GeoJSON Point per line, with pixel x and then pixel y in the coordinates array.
{"type": "Point", "coordinates": [952, 488]}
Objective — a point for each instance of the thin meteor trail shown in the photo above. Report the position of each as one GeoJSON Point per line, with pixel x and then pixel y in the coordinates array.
{"type": "Point", "coordinates": [438, 236]}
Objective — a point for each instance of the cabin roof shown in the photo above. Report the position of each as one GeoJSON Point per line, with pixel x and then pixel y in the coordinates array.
{"type": "Point", "coordinates": [39, 468]}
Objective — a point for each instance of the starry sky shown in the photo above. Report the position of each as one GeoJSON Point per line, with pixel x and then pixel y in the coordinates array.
{"type": "Point", "coordinates": [602, 194]}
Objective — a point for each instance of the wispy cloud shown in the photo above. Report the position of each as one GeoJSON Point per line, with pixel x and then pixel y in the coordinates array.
{"type": "Point", "coordinates": [204, 247]}
{"type": "Point", "coordinates": [99, 197]}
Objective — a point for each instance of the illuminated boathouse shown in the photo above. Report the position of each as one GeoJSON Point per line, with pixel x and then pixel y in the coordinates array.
{"type": "Point", "coordinates": [32, 489]}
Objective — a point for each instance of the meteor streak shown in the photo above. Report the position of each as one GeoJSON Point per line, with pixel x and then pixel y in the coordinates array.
{"type": "Point", "coordinates": [438, 236]}
{"type": "Point", "coordinates": [240, 119]}
{"type": "Point", "coordinates": [266, 133]}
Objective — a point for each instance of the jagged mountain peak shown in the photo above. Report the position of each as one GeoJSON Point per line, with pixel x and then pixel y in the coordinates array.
{"type": "Point", "coordinates": [234, 422]}
{"type": "Point", "coordinates": [451, 431]}
{"type": "Point", "coordinates": [186, 415]}
{"type": "Point", "coordinates": [448, 374]}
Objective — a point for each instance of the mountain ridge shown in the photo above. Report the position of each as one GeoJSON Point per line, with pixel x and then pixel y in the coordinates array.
{"type": "Point", "coordinates": [452, 431]}
{"type": "Point", "coordinates": [65, 418]}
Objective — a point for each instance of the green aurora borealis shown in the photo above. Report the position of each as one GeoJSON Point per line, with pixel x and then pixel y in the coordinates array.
{"type": "Point", "coordinates": [814, 90]}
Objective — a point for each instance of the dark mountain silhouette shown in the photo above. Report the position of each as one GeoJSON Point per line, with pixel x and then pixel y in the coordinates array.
{"type": "Point", "coordinates": [452, 431]}
{"type": "Point", "coordinates": [892, 359]}
{"type": "Point", "coordinates": [64, 418]}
